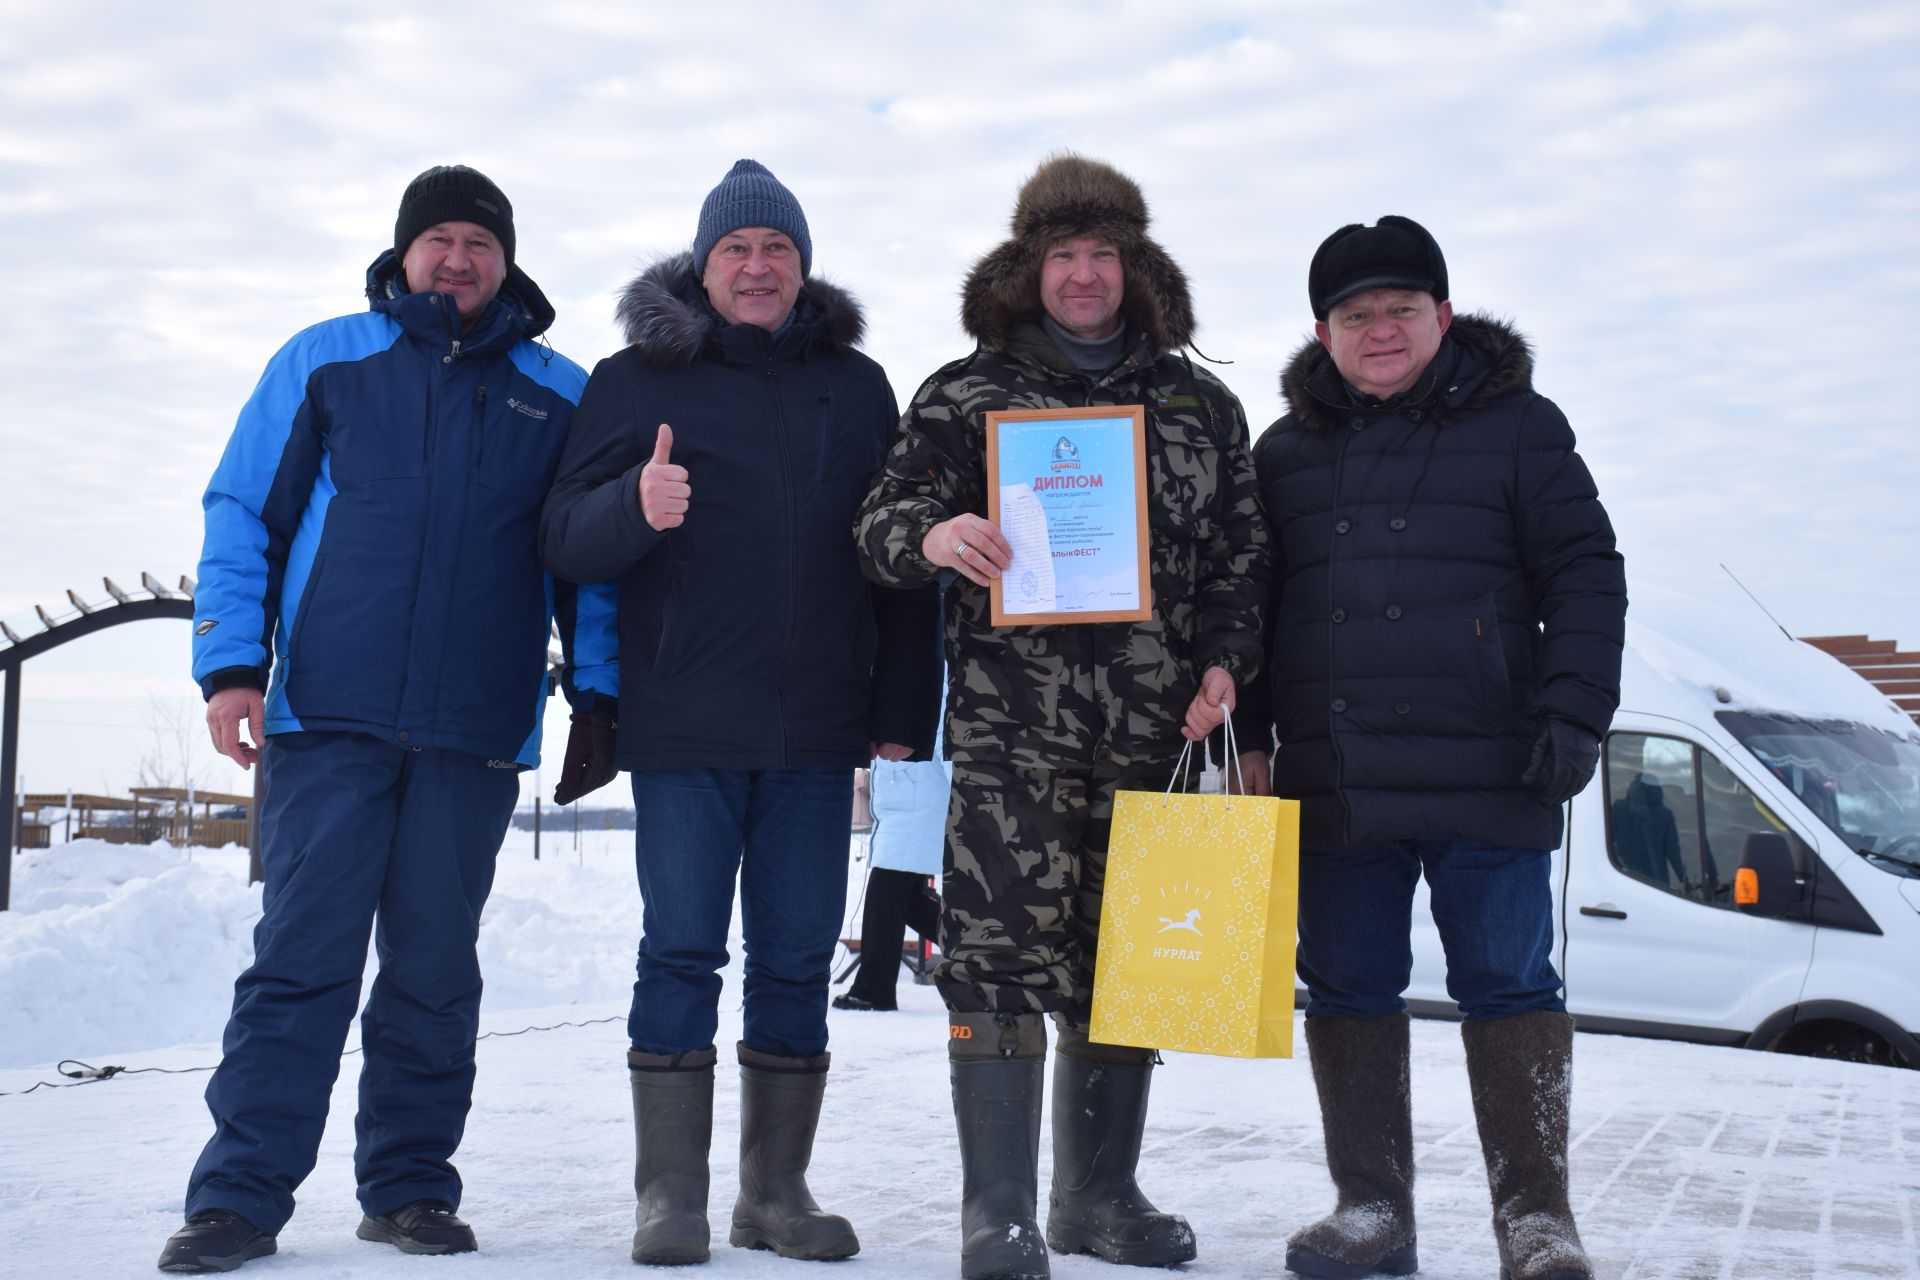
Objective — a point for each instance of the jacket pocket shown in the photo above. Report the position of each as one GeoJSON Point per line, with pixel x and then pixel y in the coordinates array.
{"type": "Point", "coordinates": [1183, 461]}
{"type": "Point", "coordinates": [309, 597]}
{"type": "Point", "coordinates": [515, 446]}
{"type": "Point", "coordinates": [1491, 652]}
{"type": "Point", "coordinates": [666, 651]}
{"type": "Point", "coordinates": [1484, 668]}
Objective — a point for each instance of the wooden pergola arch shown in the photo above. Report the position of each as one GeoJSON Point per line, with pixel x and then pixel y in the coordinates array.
{"type": "Point", "coordinates": [152, 600]}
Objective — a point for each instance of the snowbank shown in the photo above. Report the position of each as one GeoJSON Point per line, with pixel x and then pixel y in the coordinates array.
{"type": "Point", "coordinates": [116, 948]}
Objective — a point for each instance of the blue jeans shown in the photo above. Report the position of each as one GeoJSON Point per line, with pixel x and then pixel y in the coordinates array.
{"type": "Point", "coordinates": [358, 837]}
{"type": "Point", "coordinates": [785, 834]}
{"type": "Point", "coordinates": [1492, 905]}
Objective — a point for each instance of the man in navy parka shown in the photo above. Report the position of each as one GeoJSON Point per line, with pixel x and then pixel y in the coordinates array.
{"type": "Point", "coordinates": [715, 472]}
{"type": "Point", "coordinates": [371, 604]}
{"type": "Point", "coordinates": [1448, 615]}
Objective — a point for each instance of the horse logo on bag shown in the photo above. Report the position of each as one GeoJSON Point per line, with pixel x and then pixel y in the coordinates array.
{"type": "Point", "coordinates": [1191, 922]}
{"type": "Point", "coordinates": [1176, 897]}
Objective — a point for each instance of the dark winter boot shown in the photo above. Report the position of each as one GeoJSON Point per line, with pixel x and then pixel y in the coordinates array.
{"type": "Point", "coordinates": [1099, 1114]}
{"type": "Point", "coordinates": [214, 1240]}
{"type": "Point", "coordinates": [419, 1227]}
{"type": "Point", "coordinates": [424, 1226]}
{"type": "Point", "coordinates": [1521, 1071]}
{"type": "Point", "coordinates": [779, 1111]}
{"type": "Point", "coordinates": [1366, 1114]}
{"type": "Point", "coordinates": [672, 1129]}
{"type": "Point", "coordinates": [999, 1062]}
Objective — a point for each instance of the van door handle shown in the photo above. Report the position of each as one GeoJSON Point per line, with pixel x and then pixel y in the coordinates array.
{"type": "Point", "coordinates": [1605, 913]}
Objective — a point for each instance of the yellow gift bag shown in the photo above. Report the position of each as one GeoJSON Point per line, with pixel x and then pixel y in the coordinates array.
{"type": "Point", "coordinates": [1197, 923]}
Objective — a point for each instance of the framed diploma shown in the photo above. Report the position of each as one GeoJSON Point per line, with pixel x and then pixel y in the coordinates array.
{"type": "Point", "coordinates": [1068, 490]}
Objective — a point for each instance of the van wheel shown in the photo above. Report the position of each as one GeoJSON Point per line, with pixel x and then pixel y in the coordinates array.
{"type": "Point", "coordinates": [1846, 1041]}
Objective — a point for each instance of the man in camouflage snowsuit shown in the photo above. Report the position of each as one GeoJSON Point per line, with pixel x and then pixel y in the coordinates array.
{"type": "Point", "coordinates": [1044, 723]}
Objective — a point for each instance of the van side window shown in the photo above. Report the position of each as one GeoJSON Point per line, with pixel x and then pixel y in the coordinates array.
{"type": "Point", "coordinates": [1678, 819]}
{"type": "Point", "coordinates": [1653, 813]}
{"type": "Point", "coordinates": [1732, 814]}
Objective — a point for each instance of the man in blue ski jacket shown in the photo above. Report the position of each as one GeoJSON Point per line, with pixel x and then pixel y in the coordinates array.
{"type": "Point", "coordinates": [372, 608]}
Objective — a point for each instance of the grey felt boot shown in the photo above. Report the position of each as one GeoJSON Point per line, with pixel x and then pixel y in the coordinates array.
{"type": "Point", "coordinates": [672, 1129]}
{"type": "Point", "coordinates": [1366, 1114]}
{"type": "Point", "coordinates": [779, 1112]}
{"type": "Point", "coordinates": [1099, 1114]}
{"type": "Point", "coordinates": [1521, 1071]}
{"type": "Point", "coordinates": [999, 1064]}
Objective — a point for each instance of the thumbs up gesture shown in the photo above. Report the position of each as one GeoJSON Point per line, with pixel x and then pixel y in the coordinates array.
{"type": "Point", "coordinates": [664, 491]}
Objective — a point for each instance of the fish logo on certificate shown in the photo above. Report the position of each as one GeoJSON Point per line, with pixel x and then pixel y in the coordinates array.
{"type": "Point", "coordinates": [1068, 490]}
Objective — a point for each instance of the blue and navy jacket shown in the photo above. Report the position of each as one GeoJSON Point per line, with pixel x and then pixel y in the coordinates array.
{"type": "Point", "coordinates": [370, 556]}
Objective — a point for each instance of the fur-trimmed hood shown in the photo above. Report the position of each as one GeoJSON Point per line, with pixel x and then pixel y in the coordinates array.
{"type": "Point", "coordinates": [666, 318]}
{"type": "Point", "coordinates": [1069, 195]}
{"type": "Point", "coordinates": [1480, 360]}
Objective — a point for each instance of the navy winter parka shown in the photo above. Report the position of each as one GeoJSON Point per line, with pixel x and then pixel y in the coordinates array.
{"type": "Point", "coordinates": [371, 531]}
{"type": "Point", "coordinates": [748, 638]}
{"type": "Point", "coordinates": [1444, 576]}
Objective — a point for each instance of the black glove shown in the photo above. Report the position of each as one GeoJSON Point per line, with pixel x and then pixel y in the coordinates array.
{"type": "Point", "coordinates": [590, 762]}
{"type": "Point", "coordinates": [1561, 762]}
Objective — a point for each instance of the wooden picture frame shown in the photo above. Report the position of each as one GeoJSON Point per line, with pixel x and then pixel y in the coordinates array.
{"type": "Point", "coordinates": [1079, 498]}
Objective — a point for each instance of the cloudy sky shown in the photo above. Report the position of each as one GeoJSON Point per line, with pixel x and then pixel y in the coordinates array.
{"type": "Point", "coordinates": [1704, 215]}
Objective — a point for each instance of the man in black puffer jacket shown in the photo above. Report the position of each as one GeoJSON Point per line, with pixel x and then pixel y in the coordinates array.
{"type": "Point", "coordinates": [715, 469]}
{"type": "Point", "coordinates": [1447, 621]}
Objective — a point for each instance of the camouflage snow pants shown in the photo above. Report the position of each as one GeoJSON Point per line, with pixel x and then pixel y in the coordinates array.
{"type": "Point", "coordinates": [1025, 864]}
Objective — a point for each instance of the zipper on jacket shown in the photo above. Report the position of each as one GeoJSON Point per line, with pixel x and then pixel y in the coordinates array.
{"type": "Point", "coordinates": [431, 428]}
{"type": "Point", "coordinates": [453, 326]}
{"type": "Point", "coordinates": [826, 438]}
{"type": "Point", "coordinates": [793, 552]}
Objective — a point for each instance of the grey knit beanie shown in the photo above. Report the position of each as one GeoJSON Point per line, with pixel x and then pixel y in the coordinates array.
{"type": "Point", "coordinates": [750, 196]}
{"type": "Point", "coordinates": [453, 193]}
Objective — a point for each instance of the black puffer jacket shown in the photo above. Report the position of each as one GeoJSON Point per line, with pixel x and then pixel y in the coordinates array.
{"type": "Point", "coordinates": [748, 638]}
{"type": "Point", "coordinates": [1444, 575]}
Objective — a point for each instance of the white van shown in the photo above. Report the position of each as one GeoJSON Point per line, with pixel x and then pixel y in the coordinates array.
{"type": "Point", "coordinates": [1737, 747]}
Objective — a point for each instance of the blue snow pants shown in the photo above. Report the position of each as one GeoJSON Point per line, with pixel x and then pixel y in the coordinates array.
{"type": "Point", "coordinates": [355, 830]}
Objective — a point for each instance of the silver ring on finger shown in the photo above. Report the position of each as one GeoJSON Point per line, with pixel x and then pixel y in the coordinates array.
{"type": "Point", "coordinates": [960, 548]}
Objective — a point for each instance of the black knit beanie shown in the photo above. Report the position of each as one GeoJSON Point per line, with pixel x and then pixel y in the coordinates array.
{"type": "Point", "coordinates": [1397, 253]}
{"type": "Point", "coordinates": [750, 196]}
{"type": "Point", "coordinates": [453, 193]}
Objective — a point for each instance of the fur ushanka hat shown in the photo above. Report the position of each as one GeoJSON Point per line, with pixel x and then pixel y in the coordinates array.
{"type": "Point", "coordinates": [1067, 196]}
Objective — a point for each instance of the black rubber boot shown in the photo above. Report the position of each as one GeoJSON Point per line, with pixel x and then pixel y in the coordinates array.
{"type": "Point", "coordinates": [1521, 1070]}
{"type": "Point", "coordinates": [214, 1240]}
{"type": "Point", "coordinates": [672, 1130]}
{"type": "Point", "coordinates": [779, 1111]}
{"type": "Point", "coordinates": [1366, 1114]}
{"type": "Point", "coordinates": [1099, 1114]}
{"type": "Point", "coordinates": [425, 1226]}
{"type": "Point", "coordinates": [999, 1063]}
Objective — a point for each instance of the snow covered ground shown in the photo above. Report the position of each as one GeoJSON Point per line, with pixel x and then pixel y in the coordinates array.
{"type": "Point", "coordinates": [1688, 1162]}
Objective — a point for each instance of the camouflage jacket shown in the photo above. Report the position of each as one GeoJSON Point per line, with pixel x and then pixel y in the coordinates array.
{"type": "Point", "coordinates": [1103, 696]}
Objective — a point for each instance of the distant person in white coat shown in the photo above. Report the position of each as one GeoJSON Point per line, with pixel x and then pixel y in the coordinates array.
{"type": "Point", "coordinates": [909, 831]}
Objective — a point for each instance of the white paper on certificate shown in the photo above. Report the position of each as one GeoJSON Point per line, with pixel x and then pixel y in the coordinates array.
{"type": "Point", "coordinates": [1029, 585]}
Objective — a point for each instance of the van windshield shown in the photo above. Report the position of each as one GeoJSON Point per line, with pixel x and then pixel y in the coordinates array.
{"type": "Point", "coordinates": [1863, 783]}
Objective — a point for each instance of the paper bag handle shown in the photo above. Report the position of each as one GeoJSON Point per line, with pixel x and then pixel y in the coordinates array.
{"type": "Point", "coordinates": [1183, 767]}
